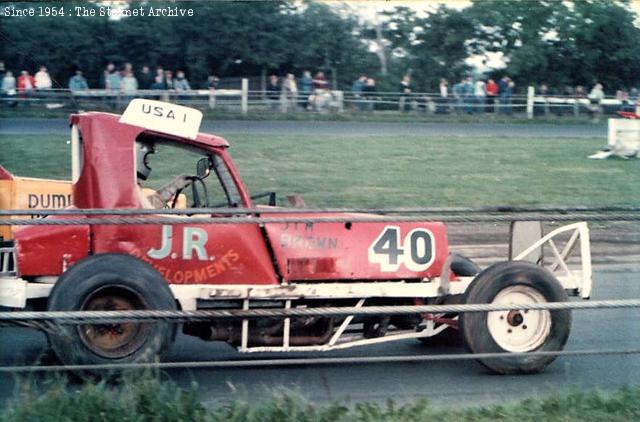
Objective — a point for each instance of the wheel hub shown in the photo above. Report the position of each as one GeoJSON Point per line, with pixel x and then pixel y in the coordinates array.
{"type": "Point", "coordinates": [514, 318]}
{"type": "Point", "coordinates": [519, 330]}
{"type": "Point", "coordinates": [115, 340]}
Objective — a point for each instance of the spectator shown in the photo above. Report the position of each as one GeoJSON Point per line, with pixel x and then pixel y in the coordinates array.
{"type": "Point", "coordinates": [633, 97]}
{"type": "Point", "coordinates": [405, 92]}
{"type": "Point", "coordinates": [458, 94]}
{"type": "Point", "coordinates": [356, 89]}
{"type": "Point", "coordinates": [622, 98]}
{"type": "Point", "coordinates": [358, 84]}
{"type": "Point", "coordinates": [543, 91]}
{"type": "Point", "coordinates": [480, 95]}
{"type": "Point", "coordinates": [145, 80]}
{"type": "Point", "coordinates": [129, 85]}
{"type": "Point", "coordinates": [467, 95]}
{"type": "Point", "coordinates": [26, 85]}
{"type": "Point", "coordinates": [9, 87]}
{"type": "Point", "coordinates": [491, 88]}
{"type": "Point", "coordinates": [8, 84]}
{"type": "Point", "coordinates": [112, 84]}
{"type": "Point", "coordinates": [104, 79]}
{"type": "Point", "coordinates": [273, 91]}
{"type": "Point", "coordinates": [511, 86]}
{"type": "Point", "coordinates": [113, 78]}
{"type": "Point", "coordinates": [78, 82]}
{"type": "Point", "coordinates": [169, 85]}
{"type": "Point", "coordinates": [506, 92]}
{"type": "Point", "coordinates": [306, 87]}
{"type": "Point", "coordinates": [158, 85]}
{"type": "Point", "coordinates": [168, 80]}
{"type": "Point", "coordinates": [369, 93]}
{"type": "Point", "coordinates": [443, 106]}
{"type": "Point", "coordinates": [212, 84]}
{"type": "Point", "coordinates": [3, 71]}
{"type": "Point", "coordinates": [595, 99]}
{"type": "Point", "coordinates": [42, 78]}
{"type": "Point", "coordinates": [289, 92]}
{"type": "Point", "coordinates": [181, 83]}
{"type": "Point", "coordinates": [320, 81]}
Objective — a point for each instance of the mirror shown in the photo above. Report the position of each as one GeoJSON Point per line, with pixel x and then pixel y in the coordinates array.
{"type": "Point", "coordinates": [202, 168]}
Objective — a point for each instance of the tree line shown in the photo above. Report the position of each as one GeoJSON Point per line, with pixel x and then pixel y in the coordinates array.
{"type": "Point", "coordinates": [560, 43]}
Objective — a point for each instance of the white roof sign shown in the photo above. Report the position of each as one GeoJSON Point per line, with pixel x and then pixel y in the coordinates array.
{"type": "Point", "coordinates": [163, 117]}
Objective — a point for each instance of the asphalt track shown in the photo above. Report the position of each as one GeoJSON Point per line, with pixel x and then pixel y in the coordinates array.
{"type": "Point", "coordinates": [429, 130]}
{"type": "Point", "coordinates": [444, 384]}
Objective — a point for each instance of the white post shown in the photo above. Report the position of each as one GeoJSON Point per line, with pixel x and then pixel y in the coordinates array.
{"type": "Point", "coordinates": [340, 100]}
{"type": "Point", "coordinates": [244, 102]}
{"type": "Point", "coordinates": [531, 91]}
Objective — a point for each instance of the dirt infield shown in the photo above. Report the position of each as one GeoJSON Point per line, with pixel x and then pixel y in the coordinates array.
{"type": "Point", "coordinates": [616, 243]}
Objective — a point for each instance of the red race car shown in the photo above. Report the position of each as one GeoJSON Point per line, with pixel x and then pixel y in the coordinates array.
{"type": "Point", "coordinates": [154, 157]}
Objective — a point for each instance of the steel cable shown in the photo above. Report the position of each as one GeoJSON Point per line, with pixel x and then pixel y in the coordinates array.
{"type": "Point", "coordinates": [393, 210]}
{"type": "Point", "coordinates": [313, 220]}
{"type": "Point", "coordinates": [85, 317]}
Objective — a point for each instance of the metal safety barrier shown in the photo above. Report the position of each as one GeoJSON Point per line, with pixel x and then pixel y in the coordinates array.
{"type": "Point", "coordinates": [379, 211]}
{"type": "Point", "coordinates": [87, 317]}
{"type": "Point", "coordinates": [312, 220]}
{"type": "Point", "coordinates": [253, 215]}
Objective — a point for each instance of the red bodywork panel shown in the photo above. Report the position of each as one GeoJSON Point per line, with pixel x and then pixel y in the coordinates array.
{"type": "Point", "coordinates": [5, 174]}
{"type": "Point", "coordinates": [194, 254]}
{"type": "Point", "coordinates": [344, 251]}
{"type": "Point", "coordinates": [48, 250]}
{"type": "Point", "coordinates": [108, 176]}
{"type": "Point", "coordinates": [223, 253]}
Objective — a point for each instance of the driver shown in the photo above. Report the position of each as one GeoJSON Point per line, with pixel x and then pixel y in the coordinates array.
{"type": "Point", "coordinates": [159, 198]}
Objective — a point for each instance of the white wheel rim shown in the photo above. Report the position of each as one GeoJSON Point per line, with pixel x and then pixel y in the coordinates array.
{"type": "Point", "coordinates": [519, 331]}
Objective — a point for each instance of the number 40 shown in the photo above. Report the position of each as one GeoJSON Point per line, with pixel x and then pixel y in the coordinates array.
{"type": "Point", "coordinates": [416, 252]}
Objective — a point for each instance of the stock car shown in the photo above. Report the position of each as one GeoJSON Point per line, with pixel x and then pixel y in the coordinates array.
{"type": "Point", "coordinates": [352, 259]}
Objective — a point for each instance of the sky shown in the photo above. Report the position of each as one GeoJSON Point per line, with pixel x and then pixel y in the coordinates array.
{"type": "Point", "coordinates": [367, 8]}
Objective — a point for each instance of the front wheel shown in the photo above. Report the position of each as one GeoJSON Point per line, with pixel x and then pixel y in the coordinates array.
{"type": "Point", "coordinates": [515, 331]}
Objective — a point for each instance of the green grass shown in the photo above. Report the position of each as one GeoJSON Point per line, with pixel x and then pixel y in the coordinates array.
{"type": "Point", "coordinates": [379, 171]}
{"type": "Point", "coordinates": [148, 399]}
{"type": "Point", "coordinates": [347, 115]}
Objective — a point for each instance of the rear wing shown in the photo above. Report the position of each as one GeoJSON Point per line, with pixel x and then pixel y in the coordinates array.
{"type": "Point", "coordinates": [570, 247]}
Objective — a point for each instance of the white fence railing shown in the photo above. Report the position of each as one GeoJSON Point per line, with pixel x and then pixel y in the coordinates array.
{"type": "Point", "coordinates": [243, 100]}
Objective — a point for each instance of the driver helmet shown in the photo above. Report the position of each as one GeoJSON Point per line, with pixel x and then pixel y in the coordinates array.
{"type": "Point", "coordinates": [142, 151]}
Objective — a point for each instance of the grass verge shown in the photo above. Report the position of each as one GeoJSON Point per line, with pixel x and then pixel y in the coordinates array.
{"type": "Point", "coordinates": [148, 399]}
{"type": "Point", "coordinates": [384, 171]}
{"type": "Point", "coordinates": [348, 115]}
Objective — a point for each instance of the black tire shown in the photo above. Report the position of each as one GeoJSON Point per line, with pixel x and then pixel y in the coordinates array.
{"type": "Point", "coordinates": [549, 330]}
{"type": "Point", "coordinates": [111, 282]}
{"type": "Point", "coordinates": [463, 266]}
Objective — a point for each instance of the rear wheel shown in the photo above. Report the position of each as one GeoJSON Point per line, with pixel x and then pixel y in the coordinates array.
{"type": "Point", "coordinates": [515, 331]}
{"type": "Point", "coordinates": [111, 282]}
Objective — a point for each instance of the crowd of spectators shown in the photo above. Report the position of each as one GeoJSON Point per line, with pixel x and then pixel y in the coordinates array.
{"type": "Point", "coordinates": [306, 93]}
{"type": "Point", "coordinates": [123, 83]}
{"type": "Point", "coordinates": [287, 93]}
